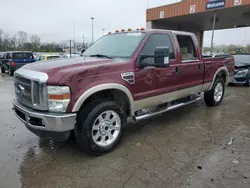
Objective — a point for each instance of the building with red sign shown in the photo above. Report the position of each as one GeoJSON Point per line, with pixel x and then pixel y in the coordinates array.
{"type": "Point", "coordinates": [198, 16]}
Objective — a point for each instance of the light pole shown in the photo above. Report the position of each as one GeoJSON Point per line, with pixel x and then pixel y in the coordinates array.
{"type": "Point", "coordinates": [103, 30]}
{"type": "Point", "coordinates": [92, 18]}
{"type": "Point", "coordinates": [212, 40]}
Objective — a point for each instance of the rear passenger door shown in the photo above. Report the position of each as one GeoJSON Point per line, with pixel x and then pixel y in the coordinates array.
{"type": "Point", "coordinates": [190, 67]}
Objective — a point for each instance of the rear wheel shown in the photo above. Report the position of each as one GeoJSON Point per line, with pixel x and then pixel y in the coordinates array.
{"type": "Point", "coordinates": [214, 96]}
{"type": "Point", "coordinates": [99, 126]}
{"type": "Point", "coordinates": [2, 70]}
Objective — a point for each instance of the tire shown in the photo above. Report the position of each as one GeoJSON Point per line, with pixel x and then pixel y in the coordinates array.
{"type": "Point", "coordinates": [11, 73]}
{"type": "Point", "coordinates": [2, 70]}
{"type": "Point", "coordinates": [91, 135]}
{"type": "Point", "coordinates": [247, 83]}
{"type": "Point", "coordinates": [210, 97]}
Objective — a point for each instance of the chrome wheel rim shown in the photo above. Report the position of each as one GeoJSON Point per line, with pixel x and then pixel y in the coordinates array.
{"type": "Point", "coordinates": [218, 92]}
{"type": "Point", "coordinates": [106, 128]}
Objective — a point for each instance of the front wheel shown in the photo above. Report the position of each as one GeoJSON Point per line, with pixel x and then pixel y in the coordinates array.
{"type": "Point", "coordinates": [2, 70]}
{"type": "Point", "coordinates": [247, 82]}
{"type": "Point", "coordinates": [99, 126]}
{"type": "Point", "coordinates": [214, 96]}
{"type": "Point", "coordinates": [11, 73]}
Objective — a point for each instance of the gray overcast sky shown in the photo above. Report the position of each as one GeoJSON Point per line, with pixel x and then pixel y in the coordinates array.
{"type": "Point", "coordinates": [53, 20]}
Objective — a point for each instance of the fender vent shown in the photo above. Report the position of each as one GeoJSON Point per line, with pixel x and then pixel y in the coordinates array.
{"type": "Point", "coordinates": [128, 77]}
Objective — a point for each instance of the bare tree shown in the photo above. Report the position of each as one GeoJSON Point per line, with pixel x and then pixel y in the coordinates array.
{"type": "Point", "coordinates": [35, 41]}
{"type": "Point", "coordinates": [248, 48]}
{"type": "Point", "coordinates": [1, 40]}
{"type": "Point", "coordinates": [22, 38]}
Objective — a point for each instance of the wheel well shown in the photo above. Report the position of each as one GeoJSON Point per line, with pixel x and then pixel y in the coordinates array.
{"type": "Point", "coordinates": [111, 94]}
{"type": "Point", "coordinates": [222, 74]}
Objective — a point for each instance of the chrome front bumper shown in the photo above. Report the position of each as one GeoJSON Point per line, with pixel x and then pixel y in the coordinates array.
{"type": "Point", "coordinates": [45, 124]}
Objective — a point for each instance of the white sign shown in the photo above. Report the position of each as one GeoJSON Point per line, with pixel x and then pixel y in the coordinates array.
{"type": "Point", "coordinates": [162, 14]}
{"type": "Point", "coordinates": [134, 34]}
{"type": "Point", "coordinates": [237, 2]}
{"type": "Point", "coordinates": [192, 9]}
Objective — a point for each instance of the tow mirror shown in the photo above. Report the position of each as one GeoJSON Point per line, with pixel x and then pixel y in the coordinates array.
{"type": "Point", "coordinates": [160, 56]}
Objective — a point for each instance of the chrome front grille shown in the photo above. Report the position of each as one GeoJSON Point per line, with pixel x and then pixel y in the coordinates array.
{"type": "Point", "coordinates": [23, 90]}
{"type": "Point", "coordinates": [30, 92]}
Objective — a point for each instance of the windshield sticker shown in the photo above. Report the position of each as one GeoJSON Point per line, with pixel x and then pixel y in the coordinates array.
{"type": "Point", "coordinates": [134, 34]}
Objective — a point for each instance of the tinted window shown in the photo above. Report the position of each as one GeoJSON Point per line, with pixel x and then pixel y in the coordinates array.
{"type": "Point", "coordinates": [8, 56]}
{"type": "Point", "coordinates": [116, 45]}
{"type": "Point", "coordinates": [22, 55]}
{"type": "Point", "coordinates": [53, 57]}
{"type": "Point", "coordinates": [157, 40]}
{"type": "Point", "coordinates": [187, 48]}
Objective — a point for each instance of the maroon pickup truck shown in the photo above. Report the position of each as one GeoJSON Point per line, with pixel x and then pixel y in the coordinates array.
{"type": "Point", "coordinates": [135, 74]}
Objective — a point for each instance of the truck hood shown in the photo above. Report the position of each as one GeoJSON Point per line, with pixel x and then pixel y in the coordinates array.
{"type": "Point", "coordinates": [56, 69]}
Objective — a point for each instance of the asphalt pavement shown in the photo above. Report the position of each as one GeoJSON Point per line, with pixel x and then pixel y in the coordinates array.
{"type": "Point", "coordinates": [191, 147]}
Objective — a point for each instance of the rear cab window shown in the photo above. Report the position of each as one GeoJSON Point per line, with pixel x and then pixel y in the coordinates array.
{"type": "Point", "coordinates": [187, 48]}
{"type": "Point", "coordinates": [22, 55]}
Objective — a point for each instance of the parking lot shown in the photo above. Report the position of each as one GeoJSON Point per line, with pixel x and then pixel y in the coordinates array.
{"type": "Point", "coordinates": [194, 146]}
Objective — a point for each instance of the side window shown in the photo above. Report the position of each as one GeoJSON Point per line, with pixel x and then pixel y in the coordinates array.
{"type": "Point", "coordinates": [8, 56]}
{"type": "Point", "coordinates": [157, 40]}
{"type": "Point", "coordinates": [187, 48]}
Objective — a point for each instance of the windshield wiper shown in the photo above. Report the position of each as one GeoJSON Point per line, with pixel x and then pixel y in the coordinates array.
{"type": "Point", "coordinates": [101, 55]}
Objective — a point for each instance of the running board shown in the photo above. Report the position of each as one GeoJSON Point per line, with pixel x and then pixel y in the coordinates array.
{"type": "Point", "coordinates": [145, 116]}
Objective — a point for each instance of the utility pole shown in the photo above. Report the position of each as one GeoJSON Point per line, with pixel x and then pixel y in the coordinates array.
{"type": "Point", "coordinates": [103, 30]}
{"type": "Point", "coordinates": [83, 41]}
{"type": "Point", "coordinates": [212, 40]}
{"type": "Point", "coordinates": [74, 38]}
{"type": "Point", "coordinates": [69, 48]}
{"type": "Point", "coordinates": [92, 18]}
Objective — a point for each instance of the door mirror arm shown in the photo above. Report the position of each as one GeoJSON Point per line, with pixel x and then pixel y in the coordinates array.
{"type": "Point", "coordinates": [161, 58]}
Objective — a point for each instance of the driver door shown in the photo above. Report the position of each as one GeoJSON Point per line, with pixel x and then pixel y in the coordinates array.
{"type": "Point", "coordinates": [155, 82]}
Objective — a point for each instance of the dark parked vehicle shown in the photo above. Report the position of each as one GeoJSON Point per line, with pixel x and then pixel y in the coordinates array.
{"type": "Point", "coordinates": [1, 56]}
{"type": "Point", "coordinates": [242, 69]}
{"type": "Point", "coordinates": [11, 61]}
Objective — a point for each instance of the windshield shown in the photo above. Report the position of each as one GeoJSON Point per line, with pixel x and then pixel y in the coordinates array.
{"type": "Point", "coordinates": [116, 45]}
{"type": "Point", "coordinates": [242, 59]}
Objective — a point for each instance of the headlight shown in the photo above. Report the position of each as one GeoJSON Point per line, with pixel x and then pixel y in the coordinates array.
{"type": "Point", "coordinates": [58, 98]}
{"type": "Point", "coordinates": [242, 72]}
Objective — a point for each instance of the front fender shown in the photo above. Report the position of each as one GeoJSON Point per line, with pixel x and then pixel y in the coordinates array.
{"type": "Point", "coordinates": [101, 87]}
